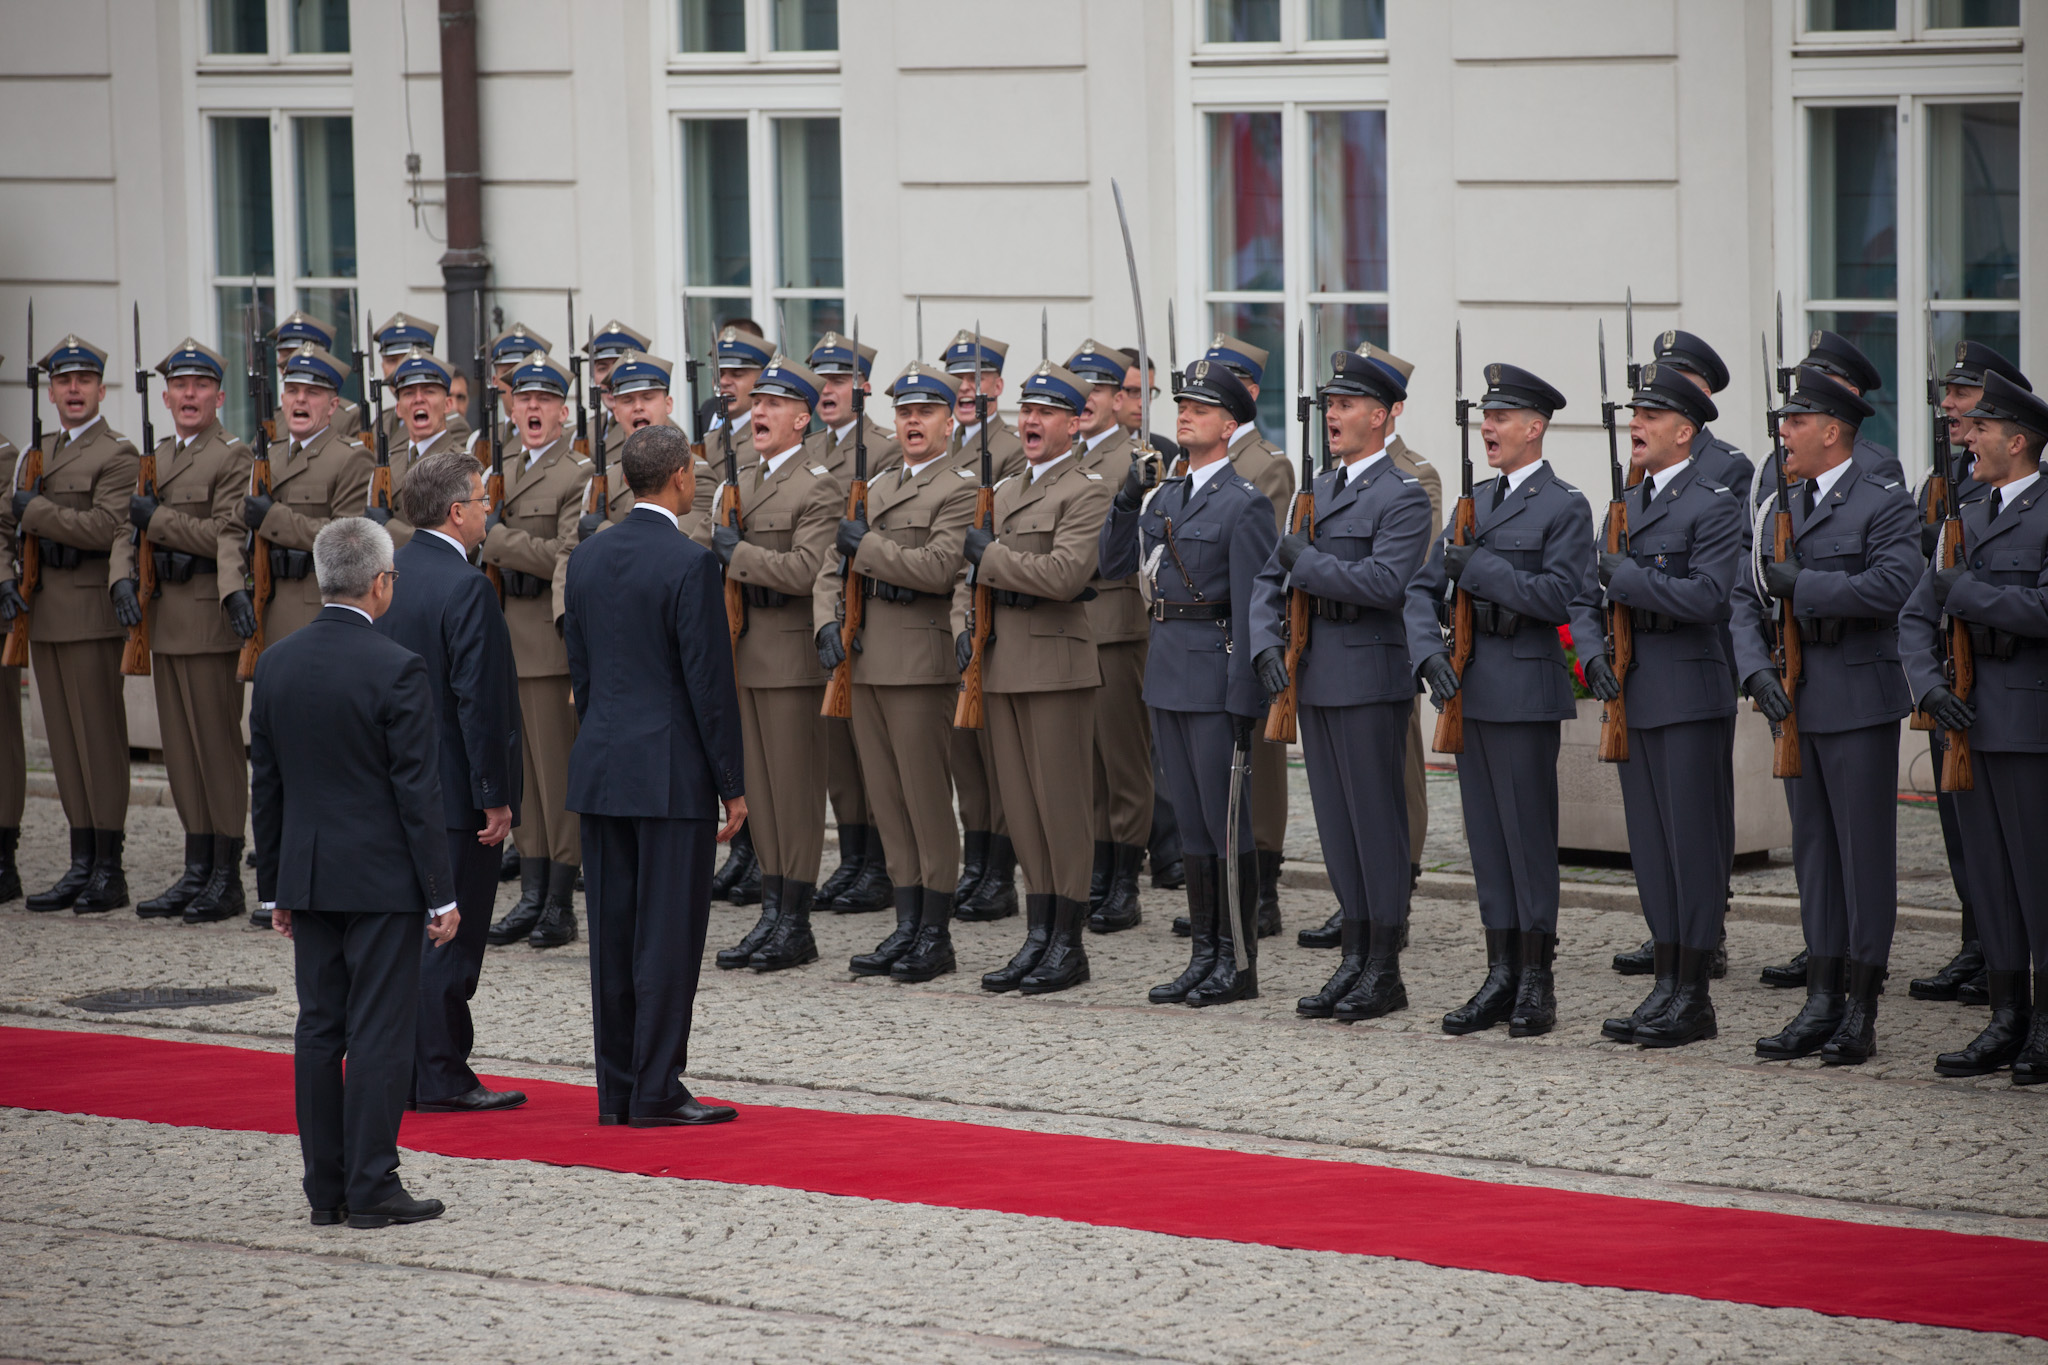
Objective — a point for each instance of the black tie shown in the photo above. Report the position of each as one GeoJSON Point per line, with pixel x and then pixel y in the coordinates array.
{"type": "Point", "coordinates": [1649, 495]}
{"type": "Point", "coordinates": [1500, 491]}
{"type": "Point", "coordinates": [1997, 502]}
{"type": "Point", "coordinates": [1807, 507]}
{"type": "Point", "coordinates": [1343, 473]}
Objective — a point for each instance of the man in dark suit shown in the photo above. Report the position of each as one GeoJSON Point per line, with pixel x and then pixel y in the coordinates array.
{"type": "Point", "coordinates": [350, 860]}
{"type": "Point", "coordinates": [449, 616]}
{"type": "Point", "coordinates": [657, 752]}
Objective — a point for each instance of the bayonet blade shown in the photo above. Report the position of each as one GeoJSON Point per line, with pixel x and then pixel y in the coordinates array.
{"type": "Point", "coordinates": [1628, 312]}
{"type": "Point", "coordinates": [781, 328]}
{"type": "Point", "coordinates": [1781, 331]}
{"type": "Point", "coordinates": [1172, 342]}
{"type": "Point", "coordinates": [1301, 358]}
{"type": "Point", "coordinates": [1458, 361]}
{"type": "Point", "coordinates": [1044, 334]}
{"type": "Point", "coordinates": [920, 328]}
{"type": "Point", "coordinates": [1603, 361]}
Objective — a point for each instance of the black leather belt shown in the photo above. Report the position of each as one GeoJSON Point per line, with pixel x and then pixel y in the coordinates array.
{"type": "Point", "coordinates": [1491, 618]}
{"type": "Point", "coordinates": [1832, 630]}
{"type": "Point", "coordinates": [1024, 601]}
{"type": "Point", "coordinates": [290, 564]}
{"type": "Point", "coordinates": [1163, 610]}
{"type": "Point", "coordinates": [175, 566]}
{"type": "Point", "coordinates": [522, 584]}
{"type": "Point", "coordinates": [876, 589]}
{"type": "Point", "coordinates": [1991, 643]}
{"type": "Point", "coordinates": [1330, 609]}
{"type": "Point", "coordinates": [766, 598]}
{"type": "Point", "coordinates": [57, 555]}
{"type": "Point", "coordinates": [1652, 622]}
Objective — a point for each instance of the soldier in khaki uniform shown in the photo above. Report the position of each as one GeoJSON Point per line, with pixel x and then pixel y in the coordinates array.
{"type": "Point", "coordinates": [609, 345]}
{"type": "Point", "coordinates": [528, 540]}
{"type": "Point", "coordinates": [425, 413]}
{"type": "Point", "coordinates": [510, 349]}
{"type": "Point", "coordinates": [742, 352]}
{"type": "Point", "coordinates": [77, 511]}
{"type": "Point", "coordinates": [303, 329]}
{"type": "Point", "coordinates": [197, 621]}
{"type": "Point", "coordinates": [1039, 673]}
{"type": "Point", "coordinates": [908, 553]}
{"type": "Point", "coordinates": [401, 335]}
{"type": "Point", "coordinates": [790, 511]}
{"type": "Point", "coordinates": [13, 744]}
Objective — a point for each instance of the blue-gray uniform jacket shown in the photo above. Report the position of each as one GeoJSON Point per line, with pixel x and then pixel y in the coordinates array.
{"type": "Point", "coordinates": [1534, 556]}
{"type": "Point", "coordinates": [1930, 531]}
{"type": "Point", "coordinates": [2004, 600]}
{"type": "Point", "coordinates": [1873, 458]}
{"type": "Point", "coordinates": [1722, 463]}
{"type": "Point", "coordinates": [1860, 557]}
{"type": "Point", "coordinates": [1221, 538]}
{"type": "Point", "coordinates": [1687, 549]}
{"type": "Point", "coordinates": [1369, 540]}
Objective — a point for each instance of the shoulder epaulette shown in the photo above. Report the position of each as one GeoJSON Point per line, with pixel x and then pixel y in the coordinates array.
{"type": "Point", "coordinates": [1565, 486]}
{"type": "Point", "coordinates": [1409, 479]}
{"type": "Point", "coordinates": [964, 473]}
{"type": "Point", "coordinates": [1096, 477]}
{"type": "Point", "coordinates": [820, 470]}
{"type": "Point", "coordinates": [1000, 482]}
{"type": "Point", "coordinates": [1712, 487]}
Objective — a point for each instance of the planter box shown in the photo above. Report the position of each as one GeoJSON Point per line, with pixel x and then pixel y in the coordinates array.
{"type": "Point", "coordinates": [1589, 791]}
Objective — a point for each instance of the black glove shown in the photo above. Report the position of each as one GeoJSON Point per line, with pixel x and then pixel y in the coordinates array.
{"type": "Point", "coordinates": [977, 544]}
{"type": "Point", "coordinates": [380, 515]}
{"type": "Point", "coordinates": [561, 627]}
{"type": "Point", "coordinates": [22, 498]}
{"type": "Point", "coordinates": [1456, 557]}
{"type": "Point", "coordinates": [1945, 581]}
{"type": "Point", "coordinates": [1600, 679]}
{"type": "Point", "coordinates": [241, 610]}
{"type": "Point", "coordinates": [963, 649]}
{"type": "Point", "coordinates": [1241, 730]}
{"type": "Point", "coordinates": [255, 508]}
{"type": "Point", "coordinates": [1290, 548]}
{"type": "Point", "coordinates": [587, 526]}
{"type": "Point", "coordinates": [1930, 538]}
{"type": "Point", "coordinates": [141, 507]}
{"type": "Point", "coordinates": [127, 607]}
{"type": "Point", "coordinates": [11, 602]}
{"type": "Point", "coordinates": [1770, 695]}
{"type": "Point", "coordinates": [831, 653]}
{"type": "Point", "coordinates": [847, 542]}
{"type": "Point", "coordinates": [1436, 670]}
{"type": "Point", "coordinates": [724, 540]}
{"type": "Point", "coordinates": [1142, 477]}
{"type": "Point", "coordinates": [1779, 576]}
{"type": "Point", "coordinates": [1271, 668]}
{"type": "Point", "coordinates": [1950, 711]}
{"type": "Point", "coordinates": [1608, 564]}
{"type": "Point", "coordinates": [494, 520]}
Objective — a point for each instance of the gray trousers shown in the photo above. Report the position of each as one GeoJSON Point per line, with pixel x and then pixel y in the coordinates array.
{"type": "Point", "coordinates": [1673, 789]}
{"type": "Point", "coordinates": [1195, 749]}
{"type": "Point", "coordinates": [1507, 782]}
{"type": "Point", "coordinates": [1355, 757]}
{"type": "Point", "coordinates": [1845, 832]}
{"type": "Point", "coordinates": [2007, 857]}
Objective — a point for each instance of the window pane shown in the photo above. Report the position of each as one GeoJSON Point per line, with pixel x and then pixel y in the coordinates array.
{"type": "Point", "coordinates": [1999, 331]}
{"type": "Point", "coordinates": [1973, 13]}
{"type": "Point", "coordinates": [715, 201]}
{"type": "Point", "coordinates": [806, 25]}
{"type": "Point", "coordinates": [1854, 203]}
{"type": "Point", "coordinates": [810, 319]}
{"type": "Point", "coordinates": [1973, 206]}
{"type": "Point", "coordinates": [1877, 336]}
{"type": "Point", "coordinates": [1263, 325]}
{"type": "Point", "coordinates": [714, 26]}
{"type": "Point", "coordinates": [237, 26]}
{"type": "Point", "coordinates": [1244, 201]}
{"type": "Point", "coordinates": [336, 308]}
{"type": "Point", "coordinates": [1349, 176]}
{"type": "Point", "coordinates": [1244, 21]}
{"type": "Point", "coordinates": [1342, 326]}
{"type": "Point", "coordinates": [1850, 16]}
{"type": "Point", "coordinates": [707, 316]}
{"type": "Point", "coordinates": [319, 25]}
{"type": "Point", "coordinates": [241, 197]}
{"type": "Point", "coordinates": [231, 302]}
{"type": "Point", "coordinates": [327, 196]}
{"type": "Point", "coordinates": [1347, 19]}
{"type": "Point", "coordinates": [807, 210]}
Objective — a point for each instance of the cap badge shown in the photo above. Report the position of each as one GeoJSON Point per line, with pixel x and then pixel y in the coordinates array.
{"type": "Point", "coordinates": [1813, 342]}
{"type": "Point", "coordinates": [1201, 370]}
{"type": "Point", "coordinates": [1493, 375]}
{"type": "Point", "coordinates": [1962, 351]}
{"type": "Point", "coordinates": [1650, 373]}
{"type": "Point", "coordinates": [1670, 340]}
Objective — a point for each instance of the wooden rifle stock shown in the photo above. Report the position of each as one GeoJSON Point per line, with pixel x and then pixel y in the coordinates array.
{"type": "Point", "coordinates": [839, 691]}
{"type": "Point", "coordinates": [1280, 716]}
{"type": "Point", "coordinates": [1937, 505]}
{"type": "Point", "coordinates": [135, 654]}
{"type": "Point", "coordinates": [970, 713]}
{"type": "Point", "coordinates": [1621, 645]}
{"type": "Point", "coordinates": [15, 654]}
{"type": "Point", "coordinates": [260, 586]}
{"type": "Point", "coordinates": [735, 591]}
{"type": "Point", "coordinates": [1785, 752]}
{"type": "Point", "coordinates": [1961, 667]}
{"type": "Point", "coordinates": [1450, 722]}
{"type": "Point", "coordinates": [494, 498]}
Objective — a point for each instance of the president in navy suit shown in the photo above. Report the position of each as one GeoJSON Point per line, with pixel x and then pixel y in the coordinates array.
{"type": "Point", "coordinates": [657, 754]}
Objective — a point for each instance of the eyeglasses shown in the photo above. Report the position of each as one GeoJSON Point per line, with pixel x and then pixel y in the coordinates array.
{"type": "Point", "coordinates": [481, 497]}
{"type": "Point", "coordinates": [391, 574]}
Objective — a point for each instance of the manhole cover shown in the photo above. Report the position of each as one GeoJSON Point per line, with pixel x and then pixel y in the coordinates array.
{"type": "Point", "coordinates": [167, 998]}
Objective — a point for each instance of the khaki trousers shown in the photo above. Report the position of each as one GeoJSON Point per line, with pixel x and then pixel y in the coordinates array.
{"type": "Point", "coordinates": [784, 738]}
{"type": "Point", "coordinates": [13, 750]}
{"type": "Point", "coordinates": [1417, 782]}
{"type": "Point", "coordinates": [199, 712]}
{"type": "Point", "coordinates": [904, 738]}
{"type": "Point", "coordinates": [1043, 745]}
{"type": "Point", "coordinates": [547, 732]}
{"type": "Point", "coordinates": [88, 727]}
{"type": "Point", "coordinates": [1123, 747]}
{"type": "Point", "coordinates": [981, 805]}
{"type": "Point", "coordinates": [844, 783]}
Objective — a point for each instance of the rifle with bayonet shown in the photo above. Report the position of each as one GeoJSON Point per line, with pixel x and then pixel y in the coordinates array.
{"type": "Point", "coordinates": [839, 691]}
{"type": "Point", "coordinates": [1450, 721]}
{"type": "Point", "coordinates": [696, 400]}
{"type": "Point", "coordinates": [729, 513]}
{"type": "Point", "coordinates": [380, 475]}
{"type": "Point", "coordinates": [969, 713]}
{"type": "Point", "coordinates": [1959, 658]}
{"type": "Point", "coordinates": [1621, 639]}
{"type": "Point", "coordinates": [581, 445]}
{"type": "Point", "coordinates": [1280, 716]}
{"type": "Point", "coordinates": [135, 654]}
{"type": "Point", "coordinates": [597, 501]}
{"type": "Point", "coordinates": [1940, 493]}
{"type": "Point", "coordinates": [1785, 652]}
{"type": "Point", "coordinates": [494, 484]}
{"type": "Point", "coordinates": [257, 551]}
{"type": "Point", "coordinates": [29, 547]}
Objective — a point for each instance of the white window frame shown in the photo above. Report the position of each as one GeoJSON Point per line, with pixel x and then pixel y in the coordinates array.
{"type": "Point", "coordinates": [1914, 30]}
{"type": "Point", "coordinates": [280, 57]}
{"type": "Point", "coordinates": [1294, 45]}
{"type": "Point", "coordinates": [757, 56]}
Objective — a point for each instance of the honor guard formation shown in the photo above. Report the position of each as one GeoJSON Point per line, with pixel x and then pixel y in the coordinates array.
{"type": "Point", "coordinates": [1019, 663]}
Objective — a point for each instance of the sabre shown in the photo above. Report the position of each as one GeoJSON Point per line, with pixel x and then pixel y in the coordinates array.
{"type": "Point", "coordinates": [1138, 310]}
{"type": "Point", "coordinates": [1240, 775]}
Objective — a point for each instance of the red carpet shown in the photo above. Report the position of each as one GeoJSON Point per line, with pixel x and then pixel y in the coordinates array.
{"type": "Point", "coordinates": [1904, 1275]}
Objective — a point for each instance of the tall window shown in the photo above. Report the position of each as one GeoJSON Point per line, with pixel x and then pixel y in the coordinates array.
{"type": "Point", "coordinates": [276, 28]}
{"type": "Point", "coordinates": [1973, 225]}
{"type": "Point", "coordinates": [1905, 20]}
{"type": "Point", "coordinates": [753, 29]}
{"type": "Point", "coordinates": [1853, 230]}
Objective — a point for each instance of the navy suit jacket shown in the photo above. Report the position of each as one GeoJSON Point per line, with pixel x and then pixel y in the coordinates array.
{"type": "Point", "coordinates": [651, 666]}
{"type": "Point", "coordinates": [444, 610]}
{"type": "Point", "coordinates": [345, 775]}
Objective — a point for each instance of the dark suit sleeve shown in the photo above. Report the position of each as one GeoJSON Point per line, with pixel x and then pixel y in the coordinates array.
{"type": "Point", "coordinates": [414, 754]}
{"type": "Point", "coordinates": [483, 677]}
{"type": "Point", "coordinates": [706, 655]}
{"type": "Point", "coordinates": [579, 650]}
{"type": "Point", "coordinates": [266, 791]}
{"type": "Point", "coordinates": [1116, 549]}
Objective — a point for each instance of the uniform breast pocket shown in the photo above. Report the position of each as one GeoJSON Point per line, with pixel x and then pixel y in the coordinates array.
{"type": "Point", "coordinates": [1522, 549]}
{"type": "Point", "coordinates": [2019, 565]}
{"type": "Point", "coordinates": [1034, 538]}
{"type": "Point", "coordinates": [1348, 539]}
{"type": "Point", "coordinates": [908, 526]}
{"type": "Point", "coordinates": [770, 530]}
{"type": "Point", "coordinates": [1197, 544]}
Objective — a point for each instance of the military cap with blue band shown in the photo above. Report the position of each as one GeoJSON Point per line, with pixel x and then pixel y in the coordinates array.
{"type": "Point", "coordinates": [312, 364]}
{"type": "Point", "coordinates": [784, 378]}
{"type": "Point", "coordinates": [1664, 386]}
{"type": "Point", "coordinates": [2005, 401]}
{"type": "Point", "coordinates": [74, 353]}
{"type": "Point", "coordinates": [1511, 386]}
{"type": "Point", "coordinates": [1364, 377]}
{"type": "Point", "coordinates": [1387, 358]}
{"type": "Point", "coordinates": [1838, 356]}
{"type": "Point", "coordinates": [1098, 364]}
{"type": "Point", "coordinates": [1248, 360]}
{"type": "Point", "coordinates": [834, 354]}
{"type": "Point", "coordinates": [1215, 383]}
{"type": "Point", "coordinates": [1974, 360]}
{"type": "Point", "coordinates": [638, 371]}
{"type": "Point", "coordinates": [300, 326]}
{"type": "Point", "coordinates": [1055, 386]}
{"type": "Point", "coordinates": [541, 373]}
{"type": "Point", "coordinates": [1684, 351]}
{"type": "Point", "coordinates": [740, 349]}
{"type": "Point", "coordinates": [922, 383]}
{"type": "Point", "coordinates": [420, 367]}
{"type": "Point", "coordinates": [516, 343]}
{"type": "Point", "coordinates": [191, 357]}
{"type": "Point", "coordinates": [401, 332]}
{"type": "Point", "coordinates": [613, 340]}
{"type": "Point", "coordinates": [959, 355]}
{"type": "Point", "coordinates": [1822, 393]}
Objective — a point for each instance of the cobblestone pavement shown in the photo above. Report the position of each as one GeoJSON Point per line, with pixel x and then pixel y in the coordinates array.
{"type": "Point", "coordinates": [132, 1241]}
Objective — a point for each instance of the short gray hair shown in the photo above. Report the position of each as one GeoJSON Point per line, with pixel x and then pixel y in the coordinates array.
{"type": "Point", "coordinates": [434, 485]}
{"type": "Point", "coordinates": [348, 554]}
{"type": "Point", "coordinates": [651, 457]}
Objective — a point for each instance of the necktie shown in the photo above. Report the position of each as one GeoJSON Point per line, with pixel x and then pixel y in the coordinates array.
{"type": "Point", "coordinates": [1649, 495]}
{"type": "Point", "coordinates": [1343, 475]}
{"type": "Point", "coordinates": [293, 452]}
{"type": "Point", "coordinates": [1997, 502]}
{"type": "Point", "coordinates": [1500, 491]}
{"type": "Point", "coordinates": [1808, 500]}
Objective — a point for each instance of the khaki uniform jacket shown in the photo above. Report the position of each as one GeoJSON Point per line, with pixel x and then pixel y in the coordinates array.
{"type": "Point", "coordinates": [822, 447]}
{"type": "Point", "coordinates": [1005, 447]}
{"type": "Point", "coordinates": [530, 546]}
{"type": "Point", "coordinates": [788, 524]}
{"type": "Point", "coordinates": [1047, 534]}
{"type": "Point", "coordinates": [347, 421]}
{"type": "Point", "coordinates": [1424, 473]}
{"type": "Point", "coordinates": [916, 526]}
{"type": "Point", "coordinates": [10, 560]}
{"type": "Point", "coordinates": [329, 478]}
{"type": "Point", "coordinates": [1117, 614]}
{"type": "Point", "coordinates": [86, 487]}
{"type": "Point", "coordinates": [200, 491]}
{"type": "Point", "coordinates": [1264, 466]}
{"type": "Point", "coordinates": [403, 458]}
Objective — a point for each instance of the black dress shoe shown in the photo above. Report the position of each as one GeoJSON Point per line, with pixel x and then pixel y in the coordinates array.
{"type": "Point", "coordinates": [1855, 1042]}
{"type": "Point", "coordinates": [1788, 976]}
{"type": "Point", "coordinates": [2031, 1066]}
{"type": "Point", "coordinates": [692, 1113]}
{"type": "Point", "coordinates": [2003, 1038]}
{"type": "Point", "coordinates": [1690, 1016]}
{"type": "Point", "coordinates": [1170, 876]}
{"type": "Point", "coordinates": [106, 887]}
{"type": "Point", "coordinates": [556, 926]}
{"type": "Point", "coordinates": [170, 903]}
{"type": "Point", "coordinates": [328, 1218]}
{"type": "Point", "coordinates": [1269, 892]}
{"type": "Point", "coordinates": [1664, 964]}
{"type": "Point", "coordinates": [1038, 917]}
{"type": "Point", "coordinates": [790, 943]}
{"type": "Point", "coordinates": [1535, 1010]}
{"type": "Point", "coordinates": [1817, 1019]}
{"type": "Point", "coordinates": [1975, 991]}
{"type": "Point", "coordinates": [518, 922]}
{"type": "Point", "coordinates": [995, 893]}
{"type": "Point", "coordinates": [1380, 990]}
{"type": "Point", "coordinates": [909, 913]}
{"type": "Point", "coordinates": [1119, 909]}
{"type": "Point", "coordinates": [741, 953]}
{"type": "Point", "coordinates": [1494, 1001]}
{"type": "Point", "coordinates": [1183, 927]}
{"type": "Point", "coordinates": [1637, 961]}
{"type": "Point", "coordinates": [931, 953]}
{"type": "Point", "coordinates": [402, 1209]}
{"type": "Point", "coordinates": [739, 857]}
{"type": "Point", "coordinates": [65, 892]}
{"type": "Point", "coordinates": [1098, 874]}
{"type": "Point", "coordinates": [477, 1101]}
{"type": "Point", "coordinates": [1330, 935]}
{"type": "Point", "coordinates": [1064, 964]}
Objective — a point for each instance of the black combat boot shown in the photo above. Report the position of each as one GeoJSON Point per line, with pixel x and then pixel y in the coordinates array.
{"type": "Point", "coordinates": [1855, 1042]}
{"type": "Point", "coordinates": [1327, 935]}
{"type": "Point", "coordinates": [1947, 983]}
{"type": "Point", "coordinates": [871, 889]}
{"type": "Point", "coordinates": [556, 926]}
{"type": "Point", "coordinates": [174, 898]}
{"type": "Point", "coordinates": [1689, 1018]}
{"type": "Point", "coordinates": [518, 922]}
{"type": "Point", "coordinates": [1494, 1001]}
{"type": "Point", "coordinates": [1664, 966]}
{"type": "Point", "coordinates": [106, 886]}
{"type": "Point", "coordinates": [10, 873]}
{"type": "Point", "coordinates": [1787, 976]}
{"type": "Point", "coordinates": [1065, 964]}
{"type": "Point", "coordinates": [61, 895]}
{"type": "Point", "coordinates": [1269, 892]}
{"type": "Point", "coordinates": [1099, 874]}
{"type": "Point", "coordinates": [931, 953]}
{"type": "Point", "coordinates": [1038, 917]}
{"type": "Point", "coordinates": [221, 897]}
{"type": "Point", "coordinates": [853, 844]}
{"type": "Point", "coordinates": [1203, 892]}
{"type": "Point", "coordinates": [1640, 961]}
{"type": "Point", "coordinates": [1119, 908]}
{"type": "Point", "coordinates": [1536, 998]}
{"type": "Point", "coordinates": [1379, 990]}
{"type": "Point", "coordinates": [789, 943]}
{"type": "Point", "coordinates": [1226, 980]}
{"type": "Point", "coordinates": [1182, 926]}
{"type": "Point", "coordinates": [1352, 939]}
{"type": "Point", "coordinates": [2031, 1066]}
{"type": "Point", "coordinates": [2003, 1039]}
{"type": "Point", "coordinates": [973, 864]}
{"type": "Point", "coordinates": [996, 895]}
{"type": "Point", "coordinates": [739, 861]}
{"type": "Point", "coordinates": [1817, 1019]}
{"type": "Point", "coordinates": [741, 953]}
{"type": "Point", "coordinates": [508, 861]}
{"type": "Point", "coordinates": [909, 912]}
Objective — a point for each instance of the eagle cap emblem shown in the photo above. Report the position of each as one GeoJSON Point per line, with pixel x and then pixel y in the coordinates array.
{"type": "Point", "coordinates": [1813, 342]}
{"type": "Point", "coordinates": [1493, 375]}
{"type": "Point", "coordinates": [1670, 340]}
{"type": "Point", "coordinates": [1962, 351]}
{"type": "Point", "coordinates": [1650, 374]}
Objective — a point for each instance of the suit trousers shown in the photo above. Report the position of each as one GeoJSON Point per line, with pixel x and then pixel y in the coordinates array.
{"type": "Point", "coordinates": [2006, 857]}
{"type": "Point", "coordinates": [199, 714]}
{"type": "Point", "coordinates": [974, 786]}
{"type": "Point", "coordinates": [1195, 750]}
{"type": "Point", "coordinates": [1845, 830]}
{"type": "Point", "coordinates": [1355, 757]}
{"type": "Point", "coordinates": [1951, 831]}
{"type": "Point", "coordinates": [904, 736]}
{"type": "Point", "coordinates": [1043, 743]}
{"type": "Point", "coordinates": [1415, 778]}
{"type": "Point", "coordinates": [1123, 747]}
{"type": "Point", "coordinates": [87, 722]}
{"type": "Point", "coordinates": [358, 980]}
{"type": "Point", "coordinates": [547, 732]}
{"type": "Point", "coordinates": [647, 891]}
{"type": "Point", "coordinates": [784, 739]}
{"type": "Point", "coordinates": [845, 782]}
{"type": "Point", "coordinates": [1507, 783]}
{"type": "Point", "coordinates": [1269, 791]}
{"type": "Point", "coordinates": [13, 750]}
{"type": "Point", "coordinates": [1672, 791]}
{"type": "Point", "coordinates": [449, 973]}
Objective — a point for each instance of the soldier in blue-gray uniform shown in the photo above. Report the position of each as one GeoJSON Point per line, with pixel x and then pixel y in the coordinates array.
{"type": "Point", "coordinates": [1686, 537]}
{"type": "Point", "coordinates": [2000, 592]}
{"type": "Point", "coordinates": [1838, 357]}
{"type": "Point", "coordinates": [1855, 556]}
{"type": "Point", "coordinates": [1531, 555]}
{"type": "Point", "coordinates": [1357, 685]}
{"type": "Point", "coordinates": [1199, 543]}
